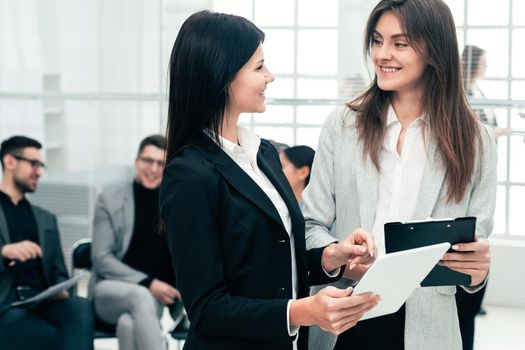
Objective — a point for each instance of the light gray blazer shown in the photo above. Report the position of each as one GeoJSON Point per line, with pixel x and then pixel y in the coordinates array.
{"type": "Point", "coordinates": [112, 232]}
{"type": "Point", "coordinates": [345, 186]}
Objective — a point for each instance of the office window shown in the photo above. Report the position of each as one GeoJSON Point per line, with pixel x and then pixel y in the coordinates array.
{"type": "Point", "coordinates": [499, 29]}
{"type": "Point", "coordinates": [301, 50]}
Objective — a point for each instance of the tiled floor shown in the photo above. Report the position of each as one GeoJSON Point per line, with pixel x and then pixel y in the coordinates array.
{"type": "Point", "coordinates": [503, 328]}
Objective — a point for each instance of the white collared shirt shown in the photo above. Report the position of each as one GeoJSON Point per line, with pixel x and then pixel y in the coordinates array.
{"type": "Point", "coordinates": [400, 176]}
{"type": "Point", "coordinates": [245, 155]}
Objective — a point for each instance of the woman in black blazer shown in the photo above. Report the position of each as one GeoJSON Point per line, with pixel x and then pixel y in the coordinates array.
{"type": "Point", "coordinates": [234, 228]}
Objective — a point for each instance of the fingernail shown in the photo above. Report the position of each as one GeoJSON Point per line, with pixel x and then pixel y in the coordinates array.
{"type": "Point", "coordinates": [349, 290]}
{"type": "Point", "coordinates": [455, 247]}
{"type": "Point", "coordinates": [362, 249]}
{"type": "Point", "coordinates": [351, 267]}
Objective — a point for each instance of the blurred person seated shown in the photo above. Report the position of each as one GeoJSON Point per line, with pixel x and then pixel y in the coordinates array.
{"type": "Point", "coordinates": [474, 62]}
{"type": "Point", "coordinates": [297, 162]}
{"type": "Point", "coordinates": [474, 66]}
{"type": "Point", "coordinates": [32, 260]}
{"type": "Point", "coordinates": [133, 277]}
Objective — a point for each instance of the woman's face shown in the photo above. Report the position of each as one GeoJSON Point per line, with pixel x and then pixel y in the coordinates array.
{"type": "Point", "coordinates": [247, 89]}
{"type": "Point", "coordinates": [397, 65]}
{"type": "Point", "coordinates": [296, 176]}
{"type": "Point", "coordinates": [482, 66]}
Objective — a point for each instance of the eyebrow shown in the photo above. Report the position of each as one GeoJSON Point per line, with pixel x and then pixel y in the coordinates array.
{"type": "Point", "coordinates": [395, 36]}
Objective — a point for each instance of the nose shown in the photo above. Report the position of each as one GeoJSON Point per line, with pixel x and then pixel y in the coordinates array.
{"type": "Point", "coordinates": [155, 166]}
{"type": "Point", "coordinates": [269, 76]}
{"type": "Point", "coordinates": [384, 53]}
{"type": "Point", "coordinates": [39, 171]}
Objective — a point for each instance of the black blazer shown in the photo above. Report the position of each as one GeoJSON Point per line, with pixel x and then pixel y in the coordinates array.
{"type": "Point", "coordinates": [49, 240]}
{"type": "Point", "coordinates": [230, 250]}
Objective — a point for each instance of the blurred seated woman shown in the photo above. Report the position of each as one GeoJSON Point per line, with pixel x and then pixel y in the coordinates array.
{"type": "Point", "coordinates": [297, 165]}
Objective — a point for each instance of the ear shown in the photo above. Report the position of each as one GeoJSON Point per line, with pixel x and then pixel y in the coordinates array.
{"type": "Point", "coordinates": [9, 162]}
{"type": "Point", "coordinates": [303, 172]}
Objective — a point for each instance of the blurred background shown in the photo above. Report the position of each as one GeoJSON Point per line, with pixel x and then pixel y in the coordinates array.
{"type": "Point", "coordinates": [88, 79]}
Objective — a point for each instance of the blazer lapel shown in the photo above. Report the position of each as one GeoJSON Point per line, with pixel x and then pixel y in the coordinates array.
{"type": "Point", "coordinates": [367, 178]}
{"type": "Point", "coordinates": [4, 233]}
{"type": "Point", "coordinates": [272, 169]}
{"type": "Point", "coordinates": [46, 258]}
{"type": "Point", "coordinates": [41, 229]}
{"type": "Point", "coordinates": [128, 207]}
{"type": "Point", "coordinates": [431, 184]}
{"type": "Point", "coordinates": [237, 178]}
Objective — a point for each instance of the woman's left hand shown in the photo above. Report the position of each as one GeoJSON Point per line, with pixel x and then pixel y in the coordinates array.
{"type": "Point", "coordinates": [471, 258]}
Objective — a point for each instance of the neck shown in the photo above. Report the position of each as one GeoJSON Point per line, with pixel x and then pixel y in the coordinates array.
{"type": "Point", "coordinates": [298, 192]}
{"type": "Point", "coordinates": [229, 127]}
{"type": "Point", "coordinates": [298, 195]}
{"type": "Point", "coordinates": [8, 188]}
{"type": "Point", "coordinates": [408, 106]}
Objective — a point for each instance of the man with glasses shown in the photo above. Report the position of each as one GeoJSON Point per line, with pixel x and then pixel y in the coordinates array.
{"type": "Point", "coordinates": [132, 269]}
{"type": "Point", "coordinates": [32, 260]}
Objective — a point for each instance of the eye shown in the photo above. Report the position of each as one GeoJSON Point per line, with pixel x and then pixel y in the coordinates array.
{"type": "Point", "coordinates": [376, 41]}
{"type": "Point", "coordinates": [260, 67]}
{"type": "Point", "coordinates": [401, 45]}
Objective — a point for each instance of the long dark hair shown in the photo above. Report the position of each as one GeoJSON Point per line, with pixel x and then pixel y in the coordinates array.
{"type": "Point", "coordinates": [209, 51]}
{"type": "Point", "coordinates": [430, 30]}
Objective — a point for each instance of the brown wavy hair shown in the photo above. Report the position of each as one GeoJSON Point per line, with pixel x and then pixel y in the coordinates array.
{"type": "Point", "coordinates": [430, 30]}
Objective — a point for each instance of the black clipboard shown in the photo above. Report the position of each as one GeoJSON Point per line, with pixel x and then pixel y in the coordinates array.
{"type": "Point", "coordinates": [402, 236]}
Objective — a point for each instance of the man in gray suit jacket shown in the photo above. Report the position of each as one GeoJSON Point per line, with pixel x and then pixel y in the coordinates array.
{"type": "Point", "coordinates": [32, 260]}
{"type": "Point", "coordinates": [132, 269]}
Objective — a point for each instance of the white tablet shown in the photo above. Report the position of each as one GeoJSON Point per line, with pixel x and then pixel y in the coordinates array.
{"type": "Point", "coordinates": [395, 276]}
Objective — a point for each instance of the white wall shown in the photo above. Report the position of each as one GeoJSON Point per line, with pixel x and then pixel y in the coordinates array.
{"type": "Point", "coordinates": [506, 285]}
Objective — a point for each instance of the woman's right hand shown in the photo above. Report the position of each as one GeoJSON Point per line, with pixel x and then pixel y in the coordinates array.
{"type": "Point", "coordinates": [334, 310]}
{"type": "Point", "coordinates": [356, 249]}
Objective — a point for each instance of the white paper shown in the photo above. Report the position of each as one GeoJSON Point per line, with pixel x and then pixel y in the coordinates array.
{"type": "Point", "coordinates": [53, 290]}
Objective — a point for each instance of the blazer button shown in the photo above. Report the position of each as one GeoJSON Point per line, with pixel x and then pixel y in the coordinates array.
{"type": "Point", "coordinates": [281, 289]}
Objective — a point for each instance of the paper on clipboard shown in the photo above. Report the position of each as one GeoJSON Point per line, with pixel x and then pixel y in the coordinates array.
{"type": "Point", "coordinates": [53, 290]}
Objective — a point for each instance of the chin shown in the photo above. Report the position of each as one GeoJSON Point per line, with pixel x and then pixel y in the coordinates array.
{"type": "Point", "coordinates": [386, 86]}
{"type": "Point", "coordinates": [152, 186]}
{"type": "Point", "coordinates": [261, 109]}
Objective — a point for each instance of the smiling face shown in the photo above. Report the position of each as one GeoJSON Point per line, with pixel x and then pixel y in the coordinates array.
{"type": "Point", "coordinates": [247, 89]}
{"type": "Point", "coordinates": [149, 166]}
{"type": "Point", "coordinates": [398, 66]}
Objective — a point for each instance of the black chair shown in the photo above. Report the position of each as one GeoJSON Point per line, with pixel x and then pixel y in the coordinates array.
{"type": "Point", "coordinates": [181, 324]}
{"type": "Point", "coordinates": [81, 259]}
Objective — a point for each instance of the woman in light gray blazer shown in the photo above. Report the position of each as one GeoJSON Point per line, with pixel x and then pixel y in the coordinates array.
{"type": "Point", "coordinates": [408, 148]}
